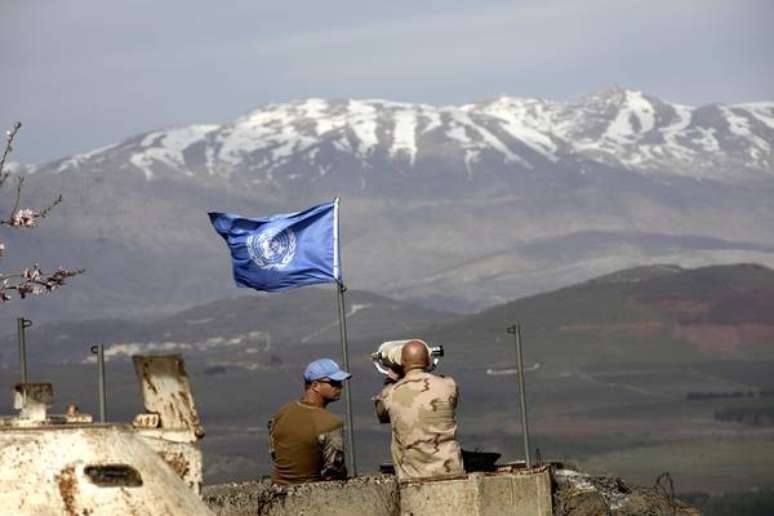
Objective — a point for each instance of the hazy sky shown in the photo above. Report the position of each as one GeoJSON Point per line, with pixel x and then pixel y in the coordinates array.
{"type": "Point", "coordinates": [85, 73]}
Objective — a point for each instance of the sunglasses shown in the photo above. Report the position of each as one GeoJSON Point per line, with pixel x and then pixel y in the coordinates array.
{"type": "Point", "coordinates": [332, 383]}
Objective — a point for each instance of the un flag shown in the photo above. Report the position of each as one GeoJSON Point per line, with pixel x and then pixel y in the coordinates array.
{"type": "Point", "coordinates": [280, 252]}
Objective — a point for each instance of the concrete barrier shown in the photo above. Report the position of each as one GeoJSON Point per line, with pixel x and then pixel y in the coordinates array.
{"type": "Point", "coordinates": [517, 493]}
{"type": "Point", "coordinates": [361, 496]}
{"type": "Point", "coordinates": [236, 498]}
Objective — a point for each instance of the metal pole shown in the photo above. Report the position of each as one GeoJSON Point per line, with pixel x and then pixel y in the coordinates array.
{"type": "Point", "coordinates": [345, 359]}
{"type": "Point", "coordinates": [21, 325]}
{"type": "Point", "coordinates": [99, 350]}
{"type": "Point", "coordinates": [516, 331]}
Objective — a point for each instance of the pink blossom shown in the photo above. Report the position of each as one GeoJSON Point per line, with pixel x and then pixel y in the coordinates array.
{"type": "Point", "coordinates": [30, 281]}
{"type": "Point", "coordinates": [25, 218]}
{"type": "Point", "coordinates": [32, 274]}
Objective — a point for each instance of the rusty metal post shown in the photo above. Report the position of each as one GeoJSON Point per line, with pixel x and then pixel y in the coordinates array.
{"type": "Point", "coordinates": [515, 330]}
{"type": "Point", "coordinates": [347, 392]}
{"type": "Point", "coordinates": [21, 326]}
{"type": "Point", "coordinates": [99, 350]}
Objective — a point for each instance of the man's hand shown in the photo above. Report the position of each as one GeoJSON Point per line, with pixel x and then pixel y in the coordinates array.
{"type": "Point", "coordinates": [392, 376]}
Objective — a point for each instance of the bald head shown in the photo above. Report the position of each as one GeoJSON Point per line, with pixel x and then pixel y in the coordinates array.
{"type": "Point", "coordinates": [414, 355]}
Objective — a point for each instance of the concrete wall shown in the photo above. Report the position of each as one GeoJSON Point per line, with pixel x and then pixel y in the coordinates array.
{"type": "Point", "coordinates": [236, 498]}
{"type": "Point", "coordinates": [526, 493]}
{"type": "Point", "coordinates": [363, 496]}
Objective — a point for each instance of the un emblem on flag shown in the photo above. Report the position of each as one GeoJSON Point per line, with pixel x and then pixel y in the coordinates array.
{"type": "Point", "coordinates": [272, 248]}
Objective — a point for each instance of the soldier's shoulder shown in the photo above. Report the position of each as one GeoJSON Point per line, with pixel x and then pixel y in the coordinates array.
{"type": "Point", "coordinates": [445, 381]}
{"type": "Point", "coordinates": [445, 378]}
{"type": "Point", "coordinates": [326, 421]}
{"type": "Point", "coordinates": [284, 409]}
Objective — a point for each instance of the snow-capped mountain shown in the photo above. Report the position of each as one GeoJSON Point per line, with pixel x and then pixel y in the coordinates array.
{"type": "Point", "coordinates": [296, 141]}
{"type": "Point", "coordinates": [454, 206]}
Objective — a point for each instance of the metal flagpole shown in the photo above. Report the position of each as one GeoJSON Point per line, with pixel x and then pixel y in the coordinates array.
{"type": "Point", "coordinates": [345, 358]}
{"type": "Point", "coordinates": [340, 288]}
{"type": "Point", "coordinates": [516, 331]}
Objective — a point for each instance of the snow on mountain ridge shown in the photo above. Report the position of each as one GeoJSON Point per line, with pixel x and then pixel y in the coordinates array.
{"type": "Point", "coordinates": [618, 127]}
{"type": "Point", "coordinates": [763, 111]}
{"type": "Point", "coordinates": [167, 147]}
{"type": "Point", "coordinates": [78, 159]}
{"type": "Point", "coordinates": [652, 136]}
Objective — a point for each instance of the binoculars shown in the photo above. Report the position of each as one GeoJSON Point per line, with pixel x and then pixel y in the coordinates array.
{"type": "Point", "coordinates": [387, 356]}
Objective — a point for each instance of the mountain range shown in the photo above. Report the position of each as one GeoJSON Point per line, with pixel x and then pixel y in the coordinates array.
{"type": "Point", "coordinates": [453, 207]}
{"type": "Point", "coordinates": [317, 141]}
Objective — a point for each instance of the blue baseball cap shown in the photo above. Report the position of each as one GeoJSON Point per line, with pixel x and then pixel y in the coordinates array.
{"type": "Point", "coordinates": [325, 368]}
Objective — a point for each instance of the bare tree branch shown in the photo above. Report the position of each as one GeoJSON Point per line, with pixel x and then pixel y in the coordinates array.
{"type": "Point", "coordinates": [17, 217]}
{"type": "Point", "coordinates": [51, 206]}
{"type": "Point", "coordinates": [31, 281]}
{"type": "Point", "coordinates": [9, 136]}
{"type": "Point", "coordinates": [19, 183]}
{"type": "Point", "coordinates": [29, 218]}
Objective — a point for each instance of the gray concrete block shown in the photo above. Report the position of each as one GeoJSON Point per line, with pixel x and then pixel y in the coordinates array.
{"type": "Point", "coordinates": [520, 493]}
{"type": "Point", "coordinates": [517, 493]}
{"type": "Point", "coordinates": [362, 496]}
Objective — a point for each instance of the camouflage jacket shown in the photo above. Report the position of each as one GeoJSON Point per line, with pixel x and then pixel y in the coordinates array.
{"type": "Point", "coordinates": [420, 408]}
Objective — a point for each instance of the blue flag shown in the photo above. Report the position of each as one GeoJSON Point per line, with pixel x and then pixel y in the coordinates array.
{"type": "Point", "coordinates": [285, 251]}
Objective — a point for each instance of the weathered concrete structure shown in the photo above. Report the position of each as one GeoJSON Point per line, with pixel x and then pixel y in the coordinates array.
{"type": "Point", "coordinates": [66, 465]}
{"type": "Point", "coordinates": [516, 493]}
{"type": "Point", "coordinates": [87, 469]}
{"type": "Point", "coordinates": [170, 424]}
{"type": "Point", "coordinates": [510, 492]}
{"type": "Point", "coordinates": [372, 495]}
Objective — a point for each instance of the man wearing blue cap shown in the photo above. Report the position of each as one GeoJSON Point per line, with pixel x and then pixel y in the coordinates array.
{"type": "Point", "coordinates": [306, 440]}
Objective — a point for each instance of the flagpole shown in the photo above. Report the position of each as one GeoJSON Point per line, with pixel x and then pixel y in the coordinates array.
{"type": "Point", "coordinates": [340, 288]}
{"type": "Point", "coordinates": [347, 393]}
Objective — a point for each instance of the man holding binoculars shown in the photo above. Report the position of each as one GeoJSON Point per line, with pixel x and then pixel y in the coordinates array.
{"type": "Point", "coordinates": [420, 409]}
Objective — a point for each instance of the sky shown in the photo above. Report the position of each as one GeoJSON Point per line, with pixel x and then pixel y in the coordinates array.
{"type": "Point", "coordinates": [81, 74]}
